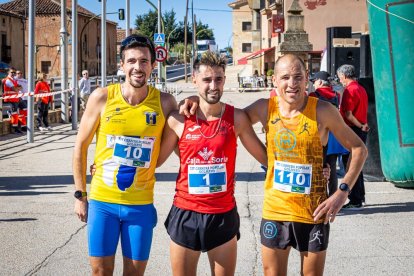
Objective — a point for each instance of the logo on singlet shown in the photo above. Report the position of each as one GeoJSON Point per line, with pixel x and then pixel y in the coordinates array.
{"type": "Point", "coordinates": [285, 139]}
{"type": "Point", "coordinates": [205, 154]}
{"type": "Point", "coordinates": [194, 128]}
{"type": "Point", "coordinates": [151, 118]}
{"type": "Point", "coordinates": [276, 120]}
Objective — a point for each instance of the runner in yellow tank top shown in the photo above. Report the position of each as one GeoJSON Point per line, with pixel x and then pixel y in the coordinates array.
{"type": "Point", "coordinates": [128, 120]}
{"type": "Point", "coordinates": [296, 212]}
{"type": "Point", "coordinates": [126, 132]}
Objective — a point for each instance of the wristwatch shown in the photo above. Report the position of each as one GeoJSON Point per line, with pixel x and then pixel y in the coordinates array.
{"type": "Point", "coordinates": [344, 187]}
{"type": "Point", "coordinates": [79, 194]}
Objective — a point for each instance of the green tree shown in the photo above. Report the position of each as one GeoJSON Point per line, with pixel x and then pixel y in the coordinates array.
{"type": "Point", "coordinates": [146, 24]}
{"type": "Point", "coordinates": [203, 31]}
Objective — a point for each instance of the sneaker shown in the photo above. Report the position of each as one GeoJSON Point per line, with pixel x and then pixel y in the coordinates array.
{"type": "Point", "coordinates": [352, 207]}
{"type": "Point", "coordinates": [18, 131]}
{"type": "Point", "coordinates": [49, 128]}
{"type": "Point", "coordinates": [42, 129]}
{"type": "Point", "coordinates": [364, 203]}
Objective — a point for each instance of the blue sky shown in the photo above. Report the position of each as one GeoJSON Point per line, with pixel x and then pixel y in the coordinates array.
{"type": "Point", "coordinates": [215, 13]}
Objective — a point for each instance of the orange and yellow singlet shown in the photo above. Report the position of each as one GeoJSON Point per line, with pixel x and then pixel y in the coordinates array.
{"type": "Point", "coordinates": [294, 184]}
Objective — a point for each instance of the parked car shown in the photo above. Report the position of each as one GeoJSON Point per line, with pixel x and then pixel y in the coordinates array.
{"type": "Point", "coordinates": [4, 67]}
{"type": "Point", "coordinates": [121, 73]}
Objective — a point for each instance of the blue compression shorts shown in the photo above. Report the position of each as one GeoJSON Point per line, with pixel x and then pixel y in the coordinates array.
{"type": "Point", "coordinates": [135, 224]}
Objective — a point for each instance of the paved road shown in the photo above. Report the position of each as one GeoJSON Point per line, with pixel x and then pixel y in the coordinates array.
{"type": "Point", "coordinates": [40, 234]}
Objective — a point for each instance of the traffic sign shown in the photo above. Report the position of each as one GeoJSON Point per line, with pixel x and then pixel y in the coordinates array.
{"type": "Point", "coordinates": [159, 38]}
{"type": "Point", "coordinates": [160, 54]}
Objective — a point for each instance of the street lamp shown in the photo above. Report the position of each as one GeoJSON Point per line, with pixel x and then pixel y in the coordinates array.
{"type": "Point", "coordinates": [168, 38]}
{"type": "Point", "coordinates": [121, 16]}
{"type": "Point", "coordinates": [156, 9]}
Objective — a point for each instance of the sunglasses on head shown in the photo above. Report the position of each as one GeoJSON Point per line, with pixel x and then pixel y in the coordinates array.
{"type": "Point", "coordinates": [136, 39]}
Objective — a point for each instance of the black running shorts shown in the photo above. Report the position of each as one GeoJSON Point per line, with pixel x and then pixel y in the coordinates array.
{"type": "Point", "coordinates": [302, 236]}
{"type": "Point", "coordinates": [202, 232]}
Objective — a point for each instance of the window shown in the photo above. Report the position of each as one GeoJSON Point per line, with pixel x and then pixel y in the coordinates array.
{"type": "Point", "coordinates": [246, 26]}
{"type": "Point", "coordinates": [85, 43]}
{"type": "Point", "coordinates": [46, 66]}
{"type": "Point", "coordinates": [246, 47]}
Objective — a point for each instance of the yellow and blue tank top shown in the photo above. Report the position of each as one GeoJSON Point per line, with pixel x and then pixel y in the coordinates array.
{"type": "Point", "coordinates": [294, 184]}
{"type": "Point", "coordinates": [127, 147]}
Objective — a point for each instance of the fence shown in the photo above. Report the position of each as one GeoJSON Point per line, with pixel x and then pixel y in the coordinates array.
{"type": "Point", "coordinates": [56, 85]}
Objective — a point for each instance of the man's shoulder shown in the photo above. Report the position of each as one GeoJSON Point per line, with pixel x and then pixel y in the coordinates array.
{"type": "Point", "coordinates": [22, 80]}
{"type": "Point", "coordinates": [166, 98]}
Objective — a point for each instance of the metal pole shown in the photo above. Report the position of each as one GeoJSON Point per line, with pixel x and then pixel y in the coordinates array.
{"type": "Point", "coordinates": [159, 31]}
{"type": "Point", "coordinates": [103, 44]}
{"type": "Point", "coordinates": [185, 41]}
{"type": "Point", "coordinates": [127, 32]}
{"type": "Point", "coordinates": [64, 62]}
{"type": "Point", "coordinates": [194, 34]}
{"type": "Point", "coordinates": [75, 91]}
{"type": "Point", "coordinates": [30, 77]}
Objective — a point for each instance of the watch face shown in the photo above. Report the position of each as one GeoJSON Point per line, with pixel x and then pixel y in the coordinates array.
{"type": "Point", "coordinates": [344, 187]}
{"type": "Point", "coordinates": [78, 194]}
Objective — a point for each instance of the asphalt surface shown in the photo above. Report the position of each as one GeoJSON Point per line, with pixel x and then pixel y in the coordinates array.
{"type": "Point", "coordinates": [40, 235]}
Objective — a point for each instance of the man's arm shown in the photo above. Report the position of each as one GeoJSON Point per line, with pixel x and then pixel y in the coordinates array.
{"type": "Point", "coordinates": [350, 117]}
{"type": "Point", "coordinates": [248, 137]}
{"type": "Point", "coordinates": [329, 117]}
{"type": "Point", "coordinates": [87, 128]}
{"type": "Point", "coordinates": [81, 84]}
{"type": "Point", "coordinates": [171, 133]}
{"type": "Point", "coordinates": [10, 84]}
{"type": "Point", "coordinates": [257, 111]}
{"type": "Point", "coordinates": [188, 106]}
{"type": "Point", "coordinates": [168, 104]}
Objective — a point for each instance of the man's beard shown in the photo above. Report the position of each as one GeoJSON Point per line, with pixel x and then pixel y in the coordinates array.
{"type": "Point", "coordinates": [209, 100]}
{"type": "Point", "coordinates": [138, 84]}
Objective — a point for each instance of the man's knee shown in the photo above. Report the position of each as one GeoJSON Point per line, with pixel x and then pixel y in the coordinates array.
{"type": "Point", "coordinates": [102, 266]}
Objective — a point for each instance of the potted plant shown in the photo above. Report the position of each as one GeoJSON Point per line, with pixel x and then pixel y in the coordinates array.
{"type": "Point", "coordinates": [269, 74]}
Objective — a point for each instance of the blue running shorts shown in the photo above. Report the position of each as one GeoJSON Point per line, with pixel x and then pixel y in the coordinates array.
{"type": "Point", "coordinates": [135, 224]}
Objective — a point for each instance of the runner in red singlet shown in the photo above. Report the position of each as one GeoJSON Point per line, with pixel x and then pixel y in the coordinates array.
{"type": "Point", "coordinates": [204, 215]}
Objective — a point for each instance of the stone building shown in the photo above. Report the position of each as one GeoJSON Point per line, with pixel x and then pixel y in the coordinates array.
{"type": "Point", "coordinates": [47, 37]}
{"type": "Point", "coordinates": [11, 29]}
{"type": "Point", "coordinates": [259, 26]}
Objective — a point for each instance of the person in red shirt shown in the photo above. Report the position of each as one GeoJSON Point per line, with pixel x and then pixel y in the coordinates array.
{"type": "Point", "coordinates": [333, 148]}
{"type": "Point", "coordinates": [43, 102]}
{"type": "Point", "coordinates": [354, 110]}
{"type": "Point", "coordinates": [12, 88]}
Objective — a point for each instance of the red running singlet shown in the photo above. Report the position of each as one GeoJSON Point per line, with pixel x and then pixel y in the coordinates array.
{"type": "Point", "coordinates": [205, 182]}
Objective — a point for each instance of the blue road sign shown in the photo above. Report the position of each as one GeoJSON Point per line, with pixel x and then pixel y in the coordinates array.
{"type": "Point", "coordinates": [159, 38]}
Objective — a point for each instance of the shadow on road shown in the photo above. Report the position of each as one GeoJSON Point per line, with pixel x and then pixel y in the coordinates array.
{"type": "Point", "coordinates": [12, 184]}
{"type": "Point", "coordinates": [403, 207]}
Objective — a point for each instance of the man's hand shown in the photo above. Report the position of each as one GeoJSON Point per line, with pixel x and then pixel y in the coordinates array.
{"type": "Point", "coordinates": [188, 106]}
{"type": "Point", "coordinates": [365, 128]}
{"type": "Point", "coordinates": [81, 209]}
{"type": "Point", "coordinates": [92, 169]}
{"type": "Point", "coordinates": [330, 207]}
{"type": "Point", "coordinates": [326, 171]}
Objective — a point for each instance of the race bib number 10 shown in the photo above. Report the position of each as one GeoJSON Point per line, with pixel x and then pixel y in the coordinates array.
{"type": "Point", "coordinates": [207, 179]}
{"type": "Point", "coordinates": [133, 152]}
{"type": "Point", "coordinates": [292, 177]}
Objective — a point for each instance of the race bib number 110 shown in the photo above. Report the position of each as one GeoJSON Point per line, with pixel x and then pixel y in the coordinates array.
{"type": "Point", "coordinates": [292, 177]}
